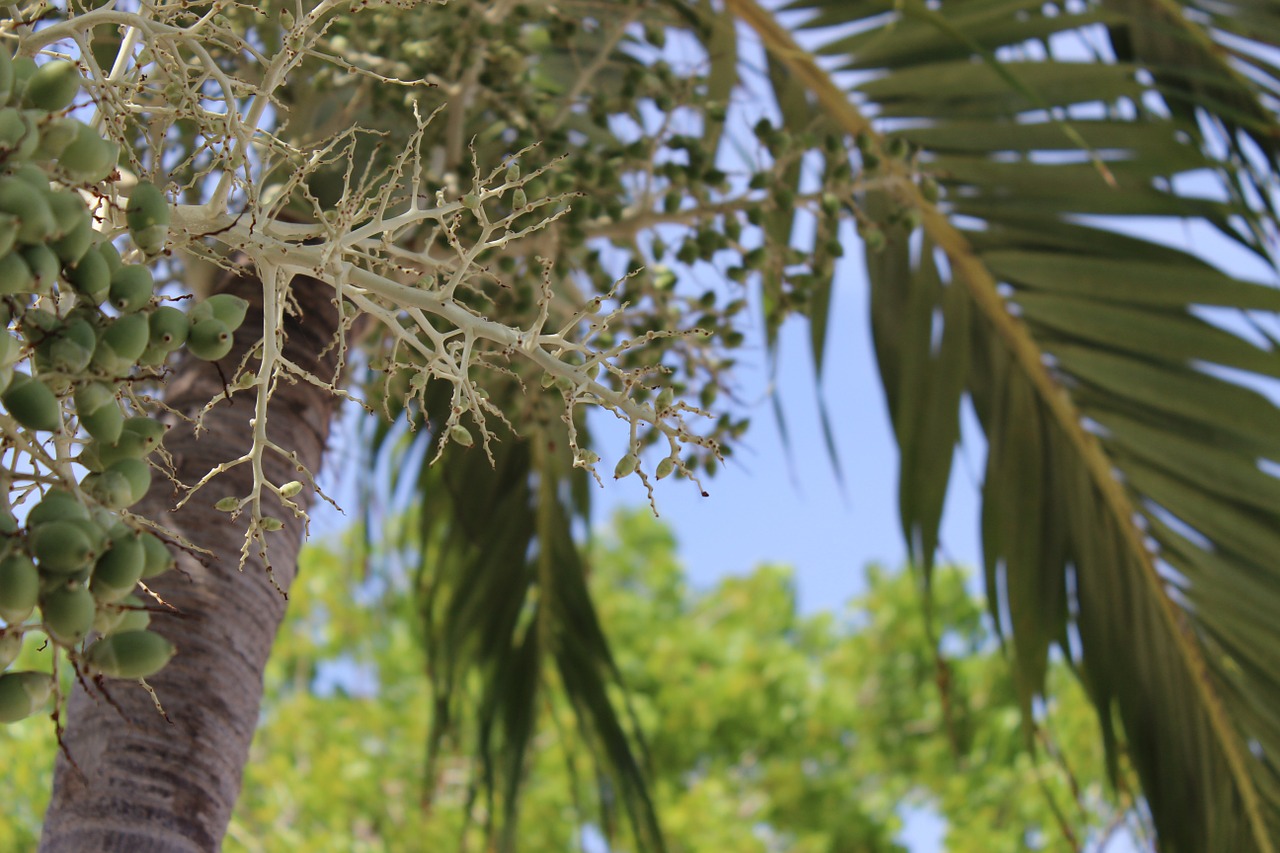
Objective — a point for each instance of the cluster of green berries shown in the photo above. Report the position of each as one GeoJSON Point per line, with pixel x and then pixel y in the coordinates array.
{"type": "Point", "coordinates": [82, 322]}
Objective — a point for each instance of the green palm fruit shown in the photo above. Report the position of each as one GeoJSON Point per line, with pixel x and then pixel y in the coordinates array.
{"type": "Point", "coordinates": [6, 76]}
{"type": "Point", "coordinates": [88, 157]}
{"type": "Point", "coordinates": [15, 275]}
{"type": "Point", "coordinates": [33, 175]}
{"type": "Point", "coordinates": [73, 245]}
{"type": "Point", "coordinates": [109, 488]}
{"type": "Point", "coordinates": [69, 211]}
{"type": "Point", "coordinates": [129, 654]}
{"type": "Point", "coordinates": [148, 217]}
{"type": "Point", "coordinates": [107, 619]}
{"type": "Point", "coordinates": [99, 540]}
{"type": "Point", "coordinates": [19, 587]}
{"type": "Point", "coordinates": [169, 328]}
{"type": "Point", "coordinates": [153, 356]}
{"type": "Point", "coordinates": [130, 445]}
{"type": "Point", "coordinates": [8, 230]}
{"type": "Point", "coordinates": [131, 289]}
{"type": "Point", "coordinates": [32, 404]}
{"type": "Point", "coordinates": [10, 645]}
{"type": "Point", "coordinates": [111, 255]}
{"type": "Point", "coordinates": [209, 339]}
{"type": "Point", "coordinates": [150, 430]}
{"type": "Point", "coordinates": [226, 308]}
{"type": "Point", "coordinates": [68, 613]}
{"type": "Point", "coordinates": [14, 128]}
{"type": "Point", "coordinates": [35, 218]}
{"type": "Point", "coordinates": [138, 474]}
{"type": "Point", "coordinates": [159, 557]}
{"type": "Point", "coordinates": [37, 323]}
{"type": "Point", "coordinates": [89, 459]}
{"type": "Point", "coordinates": [23, 693]}
{"type": "Point", "coordinates": [57, 505]}
{"type": "Point", "coordinates": [55, 135]}
{"type": "Point", "coordinates": [98, 412]}
{"type": "Point", "coordinates": [53, 87]}
{"type": "Point", "coordinates": [45, 266]}
{"type": "Point", "coordinates": [91, 275]}
{"type": "Point", "coordinates": [118, 571]}
{"type": "Point", "coordinates": [135, 616]}
{"type": "Point", "coordinates": [61, 547]}
{"type": "Point", "coordinates": [23, 69]}
{"type": "Point", "coordinates": [121, 343]}
{"type": "Point", "coordinates": [8, 523]}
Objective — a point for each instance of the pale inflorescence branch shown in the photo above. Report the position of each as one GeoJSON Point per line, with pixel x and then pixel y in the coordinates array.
{"type": "Point", "coordinates": [405, 257]}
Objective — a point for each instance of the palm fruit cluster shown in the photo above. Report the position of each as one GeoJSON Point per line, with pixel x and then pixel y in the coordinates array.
{"type": "Point", "coordinates": [78, 324]}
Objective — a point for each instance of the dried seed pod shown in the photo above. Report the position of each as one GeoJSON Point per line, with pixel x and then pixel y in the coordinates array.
{"type": "Point", "coordinates": [23, 693]}
{"type": "Point", "coordinates": [68, 612]}
{"type": "Point", "coordinates": [129, 654]}
{"type": "Point", "coordinates": [32, 404]}
{"type": "Point", "coordinates": [19, 587]}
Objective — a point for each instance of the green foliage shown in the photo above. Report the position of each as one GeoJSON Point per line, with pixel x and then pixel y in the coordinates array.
{"type": "Point", "coordinates": [767, 729]}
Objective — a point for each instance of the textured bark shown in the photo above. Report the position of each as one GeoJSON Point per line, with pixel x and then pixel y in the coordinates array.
{"type": "Point", "coordinates": [141, 784]}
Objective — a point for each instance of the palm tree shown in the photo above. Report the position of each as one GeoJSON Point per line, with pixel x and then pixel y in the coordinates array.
{"type": "Point", "coordinates": [1127, 501]}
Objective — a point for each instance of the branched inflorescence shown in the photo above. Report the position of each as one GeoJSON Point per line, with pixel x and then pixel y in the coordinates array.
{"type": "Point", "coordinates": [187, 103]}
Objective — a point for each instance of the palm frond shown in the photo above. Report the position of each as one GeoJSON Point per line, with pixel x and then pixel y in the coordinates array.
{"type": "Point", "coordinates": [1128, 506]}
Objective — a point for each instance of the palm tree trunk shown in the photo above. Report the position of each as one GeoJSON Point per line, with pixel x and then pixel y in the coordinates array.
{"type": "Point", "coordinates": [128, 779]}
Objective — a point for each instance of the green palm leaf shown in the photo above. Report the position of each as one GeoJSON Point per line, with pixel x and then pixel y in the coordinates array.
{"type": "Point", "coordinates": [1128, 517]}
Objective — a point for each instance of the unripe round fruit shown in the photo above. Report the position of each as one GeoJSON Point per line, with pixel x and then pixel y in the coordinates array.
{"type": "Point", "coordinates": [10, 646]}
{"type": "Point", "coordinates": [150, 430]}
{"type": "Point", "coordinates": [29, 204]}
{"type": "Point", "coordinates": [53, 87]}
{"type": "Point", "coordinates": [45, 266]}
{"type": "Point", "coordinates": [107, 619]}
{"type": "Point", "coordinates": [55, 135]}
{"type": "Point", "coordinates": [68, 211]}
{"type": "Point", "coordinates": [57, 505]}
{"type": "Point", "coordinates": [118, 571]}
{"type": "Point", "coordinates": [23, 69]}
{"type": "Point", "coordinates": [130, 445]}
{"type": "Point", "coordinates": [91, 276]}
{"type": "Point", "coordinates": [148, 217]}
{"type": "Point", "coordinates": [169, 328]}
{"type": "Point", "coordinates": [15, 275]}
{"type": "Point", "coordinates": [19, 587]}
{"type": "Point", "coordinates": [121, 343]}
{"type": "Point", "coordinates": [111, 255]}
{"type": "Point", "coordinates": [73, 245]}
{"type": "Point", "coordinates": [226, 308]}
{"type": "Point", "coordinates": [104, 423]}
{"type": "Point", "coordinates": [209, 339]}
{"type": "Point", "coordinates": [23, 693]}
{"type": "Point", "coordinates": [14, 128]}
{"type": "Point", "coordinates": [6, 76]}
{"type": "Point", "coordinates": [109, 488]}
{"type": "Point", "coordinates": [159, 558]}
{"type": "Point", "coordinates": [131, 289]}
{"type": "Point", "coordinates": [61, 547]}
{"type": "Point", "coordinates": [137, 472]}
{"type": "Point", "coordinates": [134, 619]}
{"type": "Point", "coordinates": [88, 157]}
{"type": "Point", "coordinates": [32, 404]}
{"type": "Point", "coordinates": [8, 230]}
{"type": "Point", "coordinates": [130, 654]}
{"type": "Point", "coordinates": [68, 614]}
